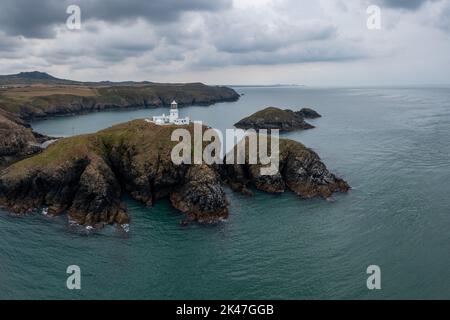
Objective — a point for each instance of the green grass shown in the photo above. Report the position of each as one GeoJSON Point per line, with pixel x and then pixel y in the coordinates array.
{"type": "Point", "coordinates": [57, 153]}
{"type": "Point", "coordinates": [272, 113]}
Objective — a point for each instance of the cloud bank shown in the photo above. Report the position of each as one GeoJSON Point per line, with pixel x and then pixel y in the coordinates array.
{"type": "Point", "coordinates": [203, 40]}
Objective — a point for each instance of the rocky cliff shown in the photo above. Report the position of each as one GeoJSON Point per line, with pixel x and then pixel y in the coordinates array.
{"type": "Point", "coordinates": [308, 113]}
{"type": "Point", "coordinates": [85, 176]}
{"type": "Point", "coordinates": [275, 118]}
{"type": "Point", "coordinates": [17, 139]}
{"type": "Point", "coordinates": [120, 97]}
{"type": "Point", "coordinates": [32, 95]}
{"type": "Point", "coordinates": [300, 170]}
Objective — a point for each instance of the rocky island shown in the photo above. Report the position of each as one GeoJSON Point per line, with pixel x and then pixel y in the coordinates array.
{"type": "Point", "coordinates": [85, 176]}
{"type": "Point", "coordinates": [275, 118]}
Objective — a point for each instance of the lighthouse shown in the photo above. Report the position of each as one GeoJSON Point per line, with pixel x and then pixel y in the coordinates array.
{"type": "Point", "coordinates": [173, 112]}
{"type": "Point", "coordinates": [172, 118]}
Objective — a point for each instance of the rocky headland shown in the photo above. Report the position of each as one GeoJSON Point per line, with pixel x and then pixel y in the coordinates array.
{"type": "Point", "coordinates": [275, 118]}
{"type": "Point", "coordinates": [35, 95]}
{"type": "Point", "coordinates": [85, 177]}
{"type": "Point", "coordinates": [18, 140]}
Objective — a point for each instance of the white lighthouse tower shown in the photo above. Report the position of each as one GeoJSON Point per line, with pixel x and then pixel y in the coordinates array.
{"type": "Point", "coordinates": [172, 118]}
{"type": "Point", "coordinates": [173, 112]}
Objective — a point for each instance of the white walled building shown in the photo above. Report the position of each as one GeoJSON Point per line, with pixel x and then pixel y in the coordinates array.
{"type": "Point", "coordinates": [172, 118]}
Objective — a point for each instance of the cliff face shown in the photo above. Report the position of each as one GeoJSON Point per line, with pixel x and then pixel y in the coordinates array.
{"type": "Point", "coordinates": [40, 102]}
{"type": "Point", "coordinates": [86, 175]}
{"type": "Point", "coordinates": [17, 140]}
{"type": "Point", "coordinates": [275, 118]}
{"type": "Point", "coordinates": [60, 178]}
{"type": "Point", "coordinates": [300, 170]}
{"type": "Point", "coordinates": [308, 113]}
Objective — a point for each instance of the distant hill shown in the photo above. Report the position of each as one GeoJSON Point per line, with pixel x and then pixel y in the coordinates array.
{"type": "Point", "coordinates": [37, 77]}
{"type": "Point", "coordinates": [33, 77]}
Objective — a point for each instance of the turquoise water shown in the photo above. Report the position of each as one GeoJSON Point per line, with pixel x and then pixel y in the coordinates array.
{"type": "Point", "coordinates": [392, 146]}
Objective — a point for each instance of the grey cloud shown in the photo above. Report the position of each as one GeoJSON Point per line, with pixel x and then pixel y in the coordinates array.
{"type": "Point", "coordinates": [108, 43]}
{"type": "Point", "coordinates": [34, 19]}
{"type": "Point", "coordinates": [167, 54]}
{"type": "Point", "coordinates": [37, 19]}
{"type": "Point", "coordinates": [251, 31]}
{"type": "Point", "coordinates": [118, 52]}
{"type": "Point", "coordinates": [9, 44]}
{"type": "Point", "coordinates": [259, 39]}
{"type": "Point", "coordinates": [403, 4]}
{"type": "Point", "coordinates": [155, 11]}
{"type": "Point", "coordinates": [443, 21]}
{"type": "Point", "coordinates": [302, 53]}
{"type": "Point", "coordinates": [300, 56]}
{"type": "Point", "coordinates": [158, 34]}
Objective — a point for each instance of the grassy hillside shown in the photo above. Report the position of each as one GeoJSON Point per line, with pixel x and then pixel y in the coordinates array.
{"type": "Point", "coordinates": [33, 94]}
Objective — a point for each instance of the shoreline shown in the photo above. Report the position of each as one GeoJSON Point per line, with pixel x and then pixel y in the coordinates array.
{"type": "Point", "coordinates": [86, 111]}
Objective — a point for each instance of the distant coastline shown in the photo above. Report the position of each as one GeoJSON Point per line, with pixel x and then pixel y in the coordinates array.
{"type": "Point", "coordinates": [265, 85]}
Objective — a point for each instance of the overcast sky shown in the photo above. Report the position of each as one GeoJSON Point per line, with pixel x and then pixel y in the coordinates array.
{"type": "Point", "coordinates": [317, 43]}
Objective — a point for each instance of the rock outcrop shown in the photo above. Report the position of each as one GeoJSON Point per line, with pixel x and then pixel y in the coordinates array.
{"type": "Point", "coordinates": [17, 139]}
{"type": "Point", "coordinates": [85, 176]}
{"type": "Point", "coordinates": [275, 118]}
{"type": "Point", "coordinates": [308, 113]}
{"type": "Point", "coordinates": [300, 170]}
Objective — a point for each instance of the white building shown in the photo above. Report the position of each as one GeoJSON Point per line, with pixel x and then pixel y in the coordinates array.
{"type": "Point", "coordinates": [172, 118]}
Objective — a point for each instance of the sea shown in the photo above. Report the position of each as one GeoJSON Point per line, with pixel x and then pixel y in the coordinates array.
{"type": "Point", "coordinates": [392, 145]}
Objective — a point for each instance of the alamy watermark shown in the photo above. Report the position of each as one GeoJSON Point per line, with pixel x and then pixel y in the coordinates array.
{"type": "Point", "coordinates": [374, 280]}
{"type": "Point", "coordinates": [248, 146]}
{"type": "Point", "coordinates": [374, 17]}
{"type": "Point", "coordinates": [73, 22]}
{"type": "Point", "coordinates": [73, 281]}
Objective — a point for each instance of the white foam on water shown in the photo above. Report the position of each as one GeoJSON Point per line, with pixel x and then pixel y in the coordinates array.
{"type": "Point", "coordinates": [125, 227]}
